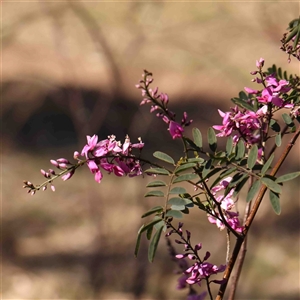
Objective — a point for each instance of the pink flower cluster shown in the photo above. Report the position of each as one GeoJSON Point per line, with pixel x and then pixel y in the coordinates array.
{"type": "Point", "coordinates": [249, 125]}
{"type": "Point", "coordinates": [243, 124]}
{"type": "Point", "coordinates": [159, 104]}
{"type": "Point", "coordinates": [111, 156]}
{"type": "Point", "coordinates": [226, 204]}
{"type": "Point", "coordinates": [201, 269]}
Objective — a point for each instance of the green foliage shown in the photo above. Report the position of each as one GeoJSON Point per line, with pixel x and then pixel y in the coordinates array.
{"type": "Point", "coordinates": [197, 136]}
{"type": "Point", "coordinates": [252, 157]}
{"type": "Point", "coordinates": [156, 183]}
{"type": "Point", "coordinates": [154, 210]}
{"type": "Point", "coordinates": [271, 184]}
{"type": "Point", "coordinates": [253, 190]}
{"type": "Point", "coordinates": [267, 165]}
{"type": "Point", "coordinates": [287, 177]}
{"type": "Point", "coordinates": [157, 171]}
{"type": "Point", "coordinates": [212, 139]}
{"type": "Point", "coordinates": [275, 202]}
{"type": "Point", "coordinates": [177, 190]}
{"type": "Point", "coordinates": [185, 166]}
{"type": "Point", "coordinates": [154, 243]}
{"type": "Point", "coordinates": [164, 157]}
{"type": "Point", "coordinates": [186, 177]}
{"type": "Point", "coordinates": [154, 194]}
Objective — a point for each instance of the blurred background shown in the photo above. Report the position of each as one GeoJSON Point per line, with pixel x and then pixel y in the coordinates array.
{"type": "Point", "coordinates": [69, 70]}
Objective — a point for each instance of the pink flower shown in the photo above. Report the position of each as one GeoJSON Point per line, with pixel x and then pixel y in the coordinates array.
{"type": "Point", "coordinates": [175, 130]}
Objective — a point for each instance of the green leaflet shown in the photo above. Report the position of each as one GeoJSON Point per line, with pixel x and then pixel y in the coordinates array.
{"type": "Point", "coordinates": [240, 150]}
{"type": "Point", "coordinates": [229, 145]}
{"type": "Point", "coordinates": [271, 184]}
{"type": "Point", "coordinates": [267, 165]}
{"type": "Point", "coordinates": [154, 194]}
{"type": "Point", "coordinates": [164, 157]}
{"type": "Point", "coordinates": [253, 190]}
{"type": "Point", "coordinates": [275, 202]}
{"type": "Point", "coordinates": [197, 136]}
{"type": "Point", "coordinates": [287, 120]}
{"type": "Point", "coordinates": [154, 243]}
{"type": "Point", "coordinates": [212, 139]}
{"type": "Point", "coordinates": [153, 210]}
{"type": "Point", "coordinates": [185, 177]}
{"type": "Point", "coordinates": [174, 213]}
{"type": "Point", "coordinates": [252, 157]}
{"type": "Point", "coordinates": [156, 183]}
{"type": "Point", "coordinates": [287, 177]}
{"type": "Point", "coordinates": [185, 166]}
{"type": "Point", "coordinates": [278, 139]}
{"type": "Point", "coordinates": [177, 190]}
{"type": "Point", "coordinates": [158, 171]}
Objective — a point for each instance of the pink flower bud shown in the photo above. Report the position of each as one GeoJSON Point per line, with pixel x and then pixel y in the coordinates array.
{"type": "Point", "coordinates": [54, 162]}
{"type": "Point", "coordinates": [76, 155]}
{"type": "Point", "coordinates": [62, 165]}
{"type": "Point", "coordinates": [63, 160]}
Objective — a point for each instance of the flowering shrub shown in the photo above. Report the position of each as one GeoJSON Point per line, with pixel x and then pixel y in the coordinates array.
{"type": "Point", "coordinates": [217, 176]}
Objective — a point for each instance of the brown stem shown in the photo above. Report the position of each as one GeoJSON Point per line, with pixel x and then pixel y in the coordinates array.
{"type": "Point", "coordinates": [242, 255]}
{"type": "Point", "coordinates": [251, 216]}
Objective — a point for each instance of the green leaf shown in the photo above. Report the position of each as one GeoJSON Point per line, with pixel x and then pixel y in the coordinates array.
{"type": "Point", "coordinates": [154, 194]}
{"type": "Point", "coordinates": [240, 150]}
{"type": "Point", "coordinates": [138, 241]}
{"type": "Point", "coordinates": [197, 136]}
{"type": "Point", "coordinates": [154, 243]}
{"type": "Point", "coordinates": [229, 145]}
{"type": "Point", "coordinates": [212, 139]}
{"type": "Point", "coordinates": [275, 202]}
{"type": "Point", "coordinates": [185, 177]}
{"type": "Point", "coordinates": [274, 125]}
{"type": "Point", "coordinates": [252, 157]}
{"type": "Point", "coordinates": [149, 233]}
{"type": "Point", "coordinates": [156, 183]}
{"type": "Point", "coordinates": [240, 184]}
{"type": "Point", "coordinates": [174, 213]}
{"type": "Point", "coordinates": [153, 210]}
{"type": "Point", "coordinates": [158, 171]}
{"type": "Point", "coordinates": [195, 160]}
{"type": "Point", "coordinates": [164, 157]}
{"type": "Point", "coordinates": [271, 184]}
{"type": "Point", "coordinates": [287, 177]}
{"type": "Point", "coordinates": [267, 165]}
{"type": "Point", "coordinates": [177, 190]}
{"type": "Point", "coordinates": [206, 169]}
{"type": "Point", "coordinates": [253, 190]}
{"type": "Point", "coordinates": [242, 104]}
{"type": "Point", "coordinates": [180, 203]}
{"type": "Point", "coordinates": [185, 166]}
{"type": "Point", "coordinates": [287, 120]}
{"type": "Point", "coordinates": [278, 139]}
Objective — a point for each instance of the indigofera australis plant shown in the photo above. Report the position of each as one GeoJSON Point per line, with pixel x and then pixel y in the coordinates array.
{"type": "Point", "coordinates": [217, 176]}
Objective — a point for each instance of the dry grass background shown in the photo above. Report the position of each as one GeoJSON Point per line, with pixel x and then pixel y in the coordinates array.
{"type": "Point", "coordinates": [69, 69]}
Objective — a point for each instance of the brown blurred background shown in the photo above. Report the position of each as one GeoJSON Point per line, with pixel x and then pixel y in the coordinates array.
{"type": "Point", "coordinates": [68, 70]}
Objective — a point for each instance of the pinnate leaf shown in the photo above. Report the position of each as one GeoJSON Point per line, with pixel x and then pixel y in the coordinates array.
{"type": "Point", "coordinates": [153, 210]}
